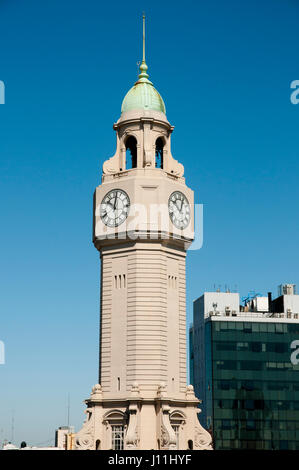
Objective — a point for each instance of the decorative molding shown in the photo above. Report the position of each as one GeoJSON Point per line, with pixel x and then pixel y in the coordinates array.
{"type": "Point", "coordinates": [85, 437]}
{"type": "Point", "coordinates": [168, 437]}
{"type": "Point", "coordinates": [111, 165]}
{"type": "Point", "coordinates": [203, 439]}
{"type": "Point", "coordinates": [135, 391]}
{"type": "Point", "coordinates": [164, 437]}
{"type": "Point", "coordinates": [174, 167]}
{"type": "Point", "coordinates": [132, 438]}
{"type": "Point", "coordinates": [162, 391]}
{"type": "Point", "coordinates": [148, 157]}
{"type": "Point", "coordinates": [96, 393]}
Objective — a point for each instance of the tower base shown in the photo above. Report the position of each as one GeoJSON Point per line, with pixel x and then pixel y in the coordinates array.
{"type": "Point", "coordinates": [142, 423]}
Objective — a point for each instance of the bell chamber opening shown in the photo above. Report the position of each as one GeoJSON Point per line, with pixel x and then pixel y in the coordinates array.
{"type": "Point", "coordinates": [159, 153]}
{"type": "Point", "coordinates": [131, 153]}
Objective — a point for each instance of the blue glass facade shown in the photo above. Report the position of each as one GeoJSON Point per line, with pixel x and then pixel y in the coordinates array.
{"type": "Point", "coordinates": [251, 386]}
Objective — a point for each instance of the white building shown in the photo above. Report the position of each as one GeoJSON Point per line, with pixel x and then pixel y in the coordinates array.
{"type": "Point", "coordinates": [61, 436]}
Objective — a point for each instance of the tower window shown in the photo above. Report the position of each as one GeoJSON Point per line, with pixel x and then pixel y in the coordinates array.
{"type": "Point", "coordinates": [173, 282]}
{"type": "Point", "coordinates": [131, 153]}
{"type": "Point", "coordinates": [176, 428]}
{"type": "Point", "coordinates": [117, 437]}
{"type": "Point", "coordinates": [120, 281]}
{"type": "Point", "coordinates": [190, 445]}
{"type": "Point", "coordinates": [159, 152]}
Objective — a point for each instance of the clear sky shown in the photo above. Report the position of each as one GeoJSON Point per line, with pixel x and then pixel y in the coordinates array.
{"type": "Point", "coordinates": [224, 70]}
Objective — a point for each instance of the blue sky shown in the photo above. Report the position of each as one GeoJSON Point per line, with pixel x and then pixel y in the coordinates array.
{"type": "Point", "coordinates": [224, 70]}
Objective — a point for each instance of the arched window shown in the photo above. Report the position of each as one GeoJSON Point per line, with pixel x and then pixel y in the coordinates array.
{"type": "Point", "coordinates": [98, 445]}
{"type": "Point", "coordinates": [159, 152]}
{"type": "Point", "coordinates": [176, 428]}
{"type": "Point", "coordinates": [117, 421]}
{"type": "Point", "coordinates": [131, 153]}
{"type": "Point", "coordinates": [177, 420]}
{"type": "Point", "coordinates": [117, 437]}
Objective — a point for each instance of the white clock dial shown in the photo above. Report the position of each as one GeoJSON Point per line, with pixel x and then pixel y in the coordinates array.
{"type": "Point", "coordinates": [179, 210]}
{"type": "Point", "coordinates": [115, 207]}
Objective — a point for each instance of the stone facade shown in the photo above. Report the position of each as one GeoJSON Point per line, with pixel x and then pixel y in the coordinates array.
{"type": "Point", "coordinates": [142, 401]}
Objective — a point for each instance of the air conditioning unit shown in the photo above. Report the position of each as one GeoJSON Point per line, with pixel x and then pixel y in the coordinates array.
{"type": "Point", "coordinates": [227, 311]}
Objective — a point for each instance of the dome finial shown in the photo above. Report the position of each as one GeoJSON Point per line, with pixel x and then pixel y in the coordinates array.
{"type": "Point", "coordinates": [143, 67]}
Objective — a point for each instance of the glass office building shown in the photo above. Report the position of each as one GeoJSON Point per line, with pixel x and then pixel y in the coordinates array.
{"type": "Point", "coordinates": [246, 371]}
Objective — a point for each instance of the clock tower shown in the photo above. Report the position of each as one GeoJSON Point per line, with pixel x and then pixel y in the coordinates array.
{"type": "Point", "coordinates": [143, 225]}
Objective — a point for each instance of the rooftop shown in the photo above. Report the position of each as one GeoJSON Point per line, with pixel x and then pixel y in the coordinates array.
{"type": "Point", "coordinates": [225, 306]}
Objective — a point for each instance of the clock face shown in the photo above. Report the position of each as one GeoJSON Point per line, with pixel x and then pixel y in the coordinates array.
{"type": "Point", "coordinates": [179, 210]}
{"type": "Point", "coordinates": [115, 207]}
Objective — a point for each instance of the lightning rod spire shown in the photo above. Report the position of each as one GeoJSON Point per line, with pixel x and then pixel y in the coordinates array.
{"type": "Point", "coordinates": [143, 56]}
{"type": "Point", "coordinates": [143, 67]}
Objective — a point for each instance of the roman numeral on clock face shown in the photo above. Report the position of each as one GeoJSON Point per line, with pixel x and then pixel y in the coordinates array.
{"type": "Point", "coordinates": [115, 207]}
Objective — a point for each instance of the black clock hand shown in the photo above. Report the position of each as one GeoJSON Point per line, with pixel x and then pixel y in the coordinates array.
{"type": "Point", "coordinates": [115, 201]}
{"type": "Point", "coordinates": [111, 206]}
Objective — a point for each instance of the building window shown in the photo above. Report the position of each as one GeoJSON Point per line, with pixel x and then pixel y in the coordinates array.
{"type": "Point", "coordinates": [120, 281]}
{"type": "Point", "coordinates": [159, 152]}
{"type": "Point", "coordinates": [131, 153]}
{"type": "Point", "coordinates": [173, 282]}
{"type": "Point", "coordinates": [117, 437]}
{"type": "Point", "coordinates": [177, 421]}
{"type": "Point", "coordinates": [176, 428]}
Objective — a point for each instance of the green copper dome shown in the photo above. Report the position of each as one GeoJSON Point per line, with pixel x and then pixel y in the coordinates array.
{"type": "Point", "coordinates": [143, 95]}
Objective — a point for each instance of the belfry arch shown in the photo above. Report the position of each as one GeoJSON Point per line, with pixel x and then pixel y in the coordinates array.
{"type": "Point", "coordinates": [131, 152]}
{"type": "Point", "coordinates": [159, 153]}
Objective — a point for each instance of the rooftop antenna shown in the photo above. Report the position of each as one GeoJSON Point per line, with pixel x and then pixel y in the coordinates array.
{"type": "Point", "coordinates": [12, 425]}
{"type": "Point", "coordinates": [143, 38]}
{"type": "Point", "coordinates": [68, 410]}
{"type": "Point", "coordinates": [143, 67]}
